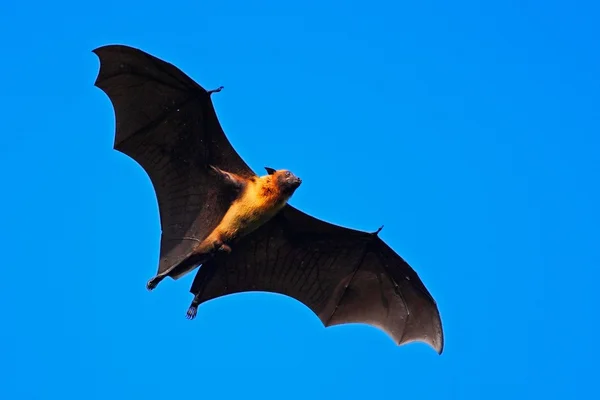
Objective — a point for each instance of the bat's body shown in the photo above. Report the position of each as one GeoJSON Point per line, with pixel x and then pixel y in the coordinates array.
{"type": "Point", "coordinates": [216, 213]}
{"type": "Point", "coordinates": [257, 200]}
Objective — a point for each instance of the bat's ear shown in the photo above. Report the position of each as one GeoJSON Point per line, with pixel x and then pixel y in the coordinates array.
{"type": "Point", "coordinates": [270, 171]}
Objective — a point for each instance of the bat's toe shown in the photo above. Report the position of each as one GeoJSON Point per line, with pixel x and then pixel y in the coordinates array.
{"type": "Point", "coordinates": [191, 312]}
{"type": "Point", "coordinates": [151, 284]}
{"type": "Point", "coordinates": [225, 248]}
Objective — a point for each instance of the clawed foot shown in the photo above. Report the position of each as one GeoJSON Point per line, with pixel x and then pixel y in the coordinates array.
{"type": "Point", "coordinates": [221, 247]}
{"type": "Point", "coordinates": [191, 312]}
{"type": "Point", "coordinates": [152, 283]}
{"type": "Point", "coordinates": [224, 248]}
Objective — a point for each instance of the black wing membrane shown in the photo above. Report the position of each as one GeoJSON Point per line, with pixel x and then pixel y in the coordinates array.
{"type": "Point", "coordinates": [342, 275]}
{"type": "Point", "coordinates": [167, 123]}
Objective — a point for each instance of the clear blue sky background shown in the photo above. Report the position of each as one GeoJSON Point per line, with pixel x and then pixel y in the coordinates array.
{"type": "Point", "coordinates": [470, 129]}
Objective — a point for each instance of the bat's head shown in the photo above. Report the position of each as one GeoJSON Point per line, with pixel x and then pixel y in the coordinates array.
{"type": "Point", "coordinates": [286, 180]}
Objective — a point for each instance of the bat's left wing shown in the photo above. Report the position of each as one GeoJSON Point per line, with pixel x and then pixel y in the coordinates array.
{"type": "Point", "coordinates": [342, 275]}
{"type": "Point", "coordinates": [167, 123]}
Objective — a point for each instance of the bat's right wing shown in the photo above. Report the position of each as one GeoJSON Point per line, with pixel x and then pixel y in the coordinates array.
{"type": "Point", "coordinates": [166, 122]}
{"type": "Point", "coordinates": [342, 275]}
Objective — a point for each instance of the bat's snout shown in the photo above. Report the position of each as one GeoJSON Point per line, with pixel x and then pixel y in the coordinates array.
{"type": "Point", "coordinates": [290, 181]}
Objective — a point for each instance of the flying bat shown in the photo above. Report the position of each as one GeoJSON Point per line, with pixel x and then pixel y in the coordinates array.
{"type": "Point", "coordinates": [236, 226]}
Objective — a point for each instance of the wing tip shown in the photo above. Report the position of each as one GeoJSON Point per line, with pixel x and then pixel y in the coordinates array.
{"type": "Point", "coordinates": [433, 335]}
{"type": "Point", "coordinates": [102, 52]}
{"type": "Point", "coordinates": [108, 47]}
{"type": "Point", "coordinates": [436, 343]}
{"type": "Point", "coordinates": [99, 52]}
{"type": "Point", "coordinates": [439, 348]}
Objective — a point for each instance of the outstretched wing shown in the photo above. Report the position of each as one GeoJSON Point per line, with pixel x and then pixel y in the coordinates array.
{"type": "Point", "coordinates": [166, 122]}
{"type": "Point", "coordinates": [342, 275]}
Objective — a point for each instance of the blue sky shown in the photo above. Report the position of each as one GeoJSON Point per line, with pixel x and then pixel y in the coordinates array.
{"type": "Point", "coordinates": [469, 129]}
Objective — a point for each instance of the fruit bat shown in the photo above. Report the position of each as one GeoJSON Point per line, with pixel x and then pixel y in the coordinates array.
{"type": "Point", "coordinates": [236, 226]}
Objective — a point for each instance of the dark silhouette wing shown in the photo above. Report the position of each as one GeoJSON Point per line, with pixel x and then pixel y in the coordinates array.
{"type": "Point", "coordinates": [342, 275]}
{"type": "Point", "coordinates": [166, 122]}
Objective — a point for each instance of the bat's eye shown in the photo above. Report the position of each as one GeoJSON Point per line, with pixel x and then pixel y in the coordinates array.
{"type": "Point", "coordinates": [288, 174]}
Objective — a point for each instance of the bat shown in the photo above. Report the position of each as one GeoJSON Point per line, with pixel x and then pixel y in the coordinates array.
{"type": "Point", "coordinates": [237, 227]}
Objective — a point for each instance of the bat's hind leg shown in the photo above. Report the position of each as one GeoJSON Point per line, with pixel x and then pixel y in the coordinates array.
{"type": "Point", "coordinates": [193, 310]}
{"type": "Point", "coordinates": [219, 245]}
{"type": "Point", "coordinates": [225, 248]}
{"type": "Point", "coordinates": [187, 264]}
{"type": "Point", "coordinates": [153, 282]}
{"type": "Point", "coordinates": [202, 278]}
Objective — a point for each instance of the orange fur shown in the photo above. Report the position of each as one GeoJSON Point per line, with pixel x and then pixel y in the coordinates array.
{"type": "Point", "coordinates": [260, 200]}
